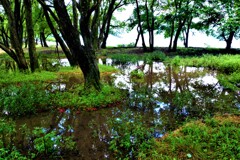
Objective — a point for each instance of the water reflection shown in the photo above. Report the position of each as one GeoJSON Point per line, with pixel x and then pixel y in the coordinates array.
{"type": "Point", "coordinates": [165, 96]}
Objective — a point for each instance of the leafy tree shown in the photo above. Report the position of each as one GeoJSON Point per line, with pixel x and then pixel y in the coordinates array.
{"type": "Point", "coordinates": [177, 18]}
{"type": "Point", "coordinates": [107, 9]}
{"type": "Point", "coordinates": [144, 19]}
{"type": "Point", "coordinates": [221, 20]}
{"type": "Point", "coordinates": [84, 54]}
{"type": "Point", "coordinates": [15, 23]}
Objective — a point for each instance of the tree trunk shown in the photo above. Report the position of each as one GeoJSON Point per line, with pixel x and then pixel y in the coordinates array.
{"type": "Point", "coordinates": [135, 45]}
{"type": "Point", "coordinates": [43, 39]}
{"type": "Point", "coordinates": [180, 26]}
{"type": "Point", "coordinates": [229, 40]}
{"type": "Point", "coordinates": [30, 34]}
{"type": "Point", "coordinates": [187, 32]}
{"type": "Point", "coordinates": [85, 55]}
{"type": "Point", "coordinates": [94, 28]}
{"type": "Point", "coordinates": [75, 14]}
{"type": "Point", "coordinates": [140, 27]}
{"type": "Point", "coordinates": [69, 55]}
{"type": "Point", "coordinates": [106, 25]}
{"type": "Point", "coordinates": [16, 42]}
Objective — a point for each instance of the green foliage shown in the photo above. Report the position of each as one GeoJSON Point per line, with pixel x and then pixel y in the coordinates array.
{"type": "Point", "coordinates": [82, 98]}
{"type": "Point", "coordinates": [125, 58]}
{"type": "Point", "coordinates": [137, 74]}
{"type": "Point", "coordinates": [148, 57]}
{"type": "Point", "coordinates": [131, 139]}
{"type": "Point", "coordinates": [231, 81]}
{"type": "Point", "coordinates": [213, 138]}
{"type": "Point", "coordinates": [154, 56]}
{"type": "Point", "coordinates": [23, 99]}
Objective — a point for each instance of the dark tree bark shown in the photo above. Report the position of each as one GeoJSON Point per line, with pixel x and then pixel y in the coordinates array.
{"type": "Point", "coordinates": [84, 55]}
{"type": "Point", "coordinates": [178, 32]}
{"type": "Point", "coordinates": [30, 34]}
{"type": "Point", "coordinates": [106, 25]}
{"type": "Point", "coordinates": [140, 26]}
{"type": "Point", "coordinates": [75, 14]}
{"type": "Point", "coordinates": [16, 40]}
{"type": "Point", "coordinates": [189, 23]}
{"type": "Point", "coordinates": [69, 55]}
{"type": "Point", "coordinates": [43, 39]}
{"type": "Point", "coordinates": [150, 24]}
{"type": "Point", "coordinates": [229, 39]}
{"type": "Point", "coordinates": [135, 45]}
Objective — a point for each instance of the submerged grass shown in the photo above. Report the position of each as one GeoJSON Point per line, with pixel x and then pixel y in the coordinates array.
{"type": "Point", "coordinates": [211, 138]}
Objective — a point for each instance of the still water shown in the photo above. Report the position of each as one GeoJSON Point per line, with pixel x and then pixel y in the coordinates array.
{"type": "Point", "coordinates": [164, 95]}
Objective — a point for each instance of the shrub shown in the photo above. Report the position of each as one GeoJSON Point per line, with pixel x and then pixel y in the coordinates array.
{"type": "Point", "coordinates": [23, 99]}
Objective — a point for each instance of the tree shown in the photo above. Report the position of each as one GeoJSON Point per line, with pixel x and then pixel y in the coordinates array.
{"type": "Point", "coordinates": [107, 9]}
{"type": "Point", "coordinates": [177, 18]}
{"type": "Point", "coordinates": [144, 19]}
{"type": "Point", "coordinates": [221, 20]}
{"type": "Point", "coordinates": [30, 32]}
{"type": "Point", "coordinates": [84, 54]}
{"type": "Point", "coordinates": [16, 33]}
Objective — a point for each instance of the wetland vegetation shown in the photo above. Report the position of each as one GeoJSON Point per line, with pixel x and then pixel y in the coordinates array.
{"type": "Point", "coordinates": [83, 100]}
{"type": "Point", "coordinates": [151, 106]}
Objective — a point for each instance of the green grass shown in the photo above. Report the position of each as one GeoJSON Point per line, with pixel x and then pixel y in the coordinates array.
{"type": "Point", "coordinates": [147, 57]}
{"type": "Point", "coordinates": [222, 63]}
{"type": "Point", "coordinates": [18, 77]}
{"type": "Point", "coordinates": [211, 138]}
{"type": "Point", "coordinates": [228, 67]}
{"type": "Point", "coordinates": [78, 98]}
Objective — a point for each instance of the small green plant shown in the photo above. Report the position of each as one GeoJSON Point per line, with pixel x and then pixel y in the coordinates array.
{"type": "Point", "coordinates": [131, 138]}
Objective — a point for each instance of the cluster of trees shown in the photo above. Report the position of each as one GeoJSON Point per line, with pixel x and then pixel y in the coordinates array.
{"type": "Point", "coordinates": [82, 26]}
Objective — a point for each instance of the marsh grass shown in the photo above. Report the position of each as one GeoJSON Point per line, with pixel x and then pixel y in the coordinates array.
{"type": "Point", "coordinates": [79, 99]}
{"type": "Point", "coordinates": [211, 138]}
{"type": "Point", "coordinates": [147, 57]}
{"type": "Point", "coordinates": [228, 67]}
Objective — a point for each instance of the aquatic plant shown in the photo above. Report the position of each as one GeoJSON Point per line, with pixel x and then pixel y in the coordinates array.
{"type": "Point", "coordinates": [131, 138]}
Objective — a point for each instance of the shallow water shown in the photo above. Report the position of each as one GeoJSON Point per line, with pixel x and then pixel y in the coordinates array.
{"type": "Point", "coordinates": [165, 96]}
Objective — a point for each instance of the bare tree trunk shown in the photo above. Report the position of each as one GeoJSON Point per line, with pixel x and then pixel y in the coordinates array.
{"type": "Point", "coordinates": [140, 27]}
{"type": "Point", "coordinates": [30, 34]}
{"type": "Point", "coordinates": [135, 45]}
{"type": "Point", "coordinates": [43, 39]}
{"type": "Point", "coordinates": [171, 38]}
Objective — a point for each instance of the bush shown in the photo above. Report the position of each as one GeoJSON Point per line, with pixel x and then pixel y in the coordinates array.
{"type": "Point", "coordinates": [24, 99]}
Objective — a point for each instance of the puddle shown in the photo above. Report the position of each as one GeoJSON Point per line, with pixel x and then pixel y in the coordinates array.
{"type": "Point", "coordinates": [165, 96]}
